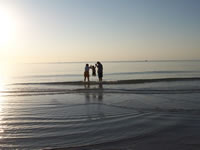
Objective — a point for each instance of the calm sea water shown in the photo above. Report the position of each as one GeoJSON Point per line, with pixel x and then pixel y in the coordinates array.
{"type": "Point", "coordinates": [46, 105]}
{"type": "Point", "coordinates": [112, 71]}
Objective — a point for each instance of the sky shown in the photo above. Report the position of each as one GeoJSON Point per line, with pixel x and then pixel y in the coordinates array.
{"type": "Point", "coordinates": [99, 30]}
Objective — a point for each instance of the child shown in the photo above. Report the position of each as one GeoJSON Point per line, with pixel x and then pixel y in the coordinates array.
{"type": "Point", "coordinates": [86, 73]}
{"type": "Point", "coordinates": [93, 70]}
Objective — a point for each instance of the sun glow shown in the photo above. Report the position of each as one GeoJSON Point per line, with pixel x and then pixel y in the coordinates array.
{"type": "Point", "coordinates": [2, 79]}
{"type": "Point", "coordinates": [7, 26]}
{"type": "Point", "coordinates": [1, 85]}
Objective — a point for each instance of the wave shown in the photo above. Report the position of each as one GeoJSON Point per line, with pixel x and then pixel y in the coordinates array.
{"type": "Point", "coordinates": [132, 81]}
{"type": "Point", "coordinates": [110, 74]}
{"type": "Point", "coordinates": [95, 91]}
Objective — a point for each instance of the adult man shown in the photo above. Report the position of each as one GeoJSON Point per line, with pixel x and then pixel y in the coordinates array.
{"type": "Point", "coordinates": [100, 71]}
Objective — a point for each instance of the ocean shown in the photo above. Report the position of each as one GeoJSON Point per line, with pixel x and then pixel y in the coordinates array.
{"type": "Point", "coordinates": [140, 105]}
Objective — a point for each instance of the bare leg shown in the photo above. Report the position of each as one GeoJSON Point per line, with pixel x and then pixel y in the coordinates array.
{"type": "Point", "coordinates": [100, 79]}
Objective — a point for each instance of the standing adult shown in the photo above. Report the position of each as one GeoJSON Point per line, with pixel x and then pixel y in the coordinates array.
{"type": "Point", "coordinates": [100, 71]}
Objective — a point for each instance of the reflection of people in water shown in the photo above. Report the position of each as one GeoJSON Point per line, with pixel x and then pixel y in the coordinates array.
{"type": "Point", "coordinates": [94, 97]}
{"type": "Point", "coordinates": [100, 92]}
{"type": "Point", "coordinates": [87, 94]}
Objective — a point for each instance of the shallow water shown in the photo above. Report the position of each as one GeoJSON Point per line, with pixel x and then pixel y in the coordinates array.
{"type": "Point", "coordinates": [94, 114]}
{"type": "Point", "coordinates": [38, 114]}
{"type": "Point", "coordinates": [59, 72]}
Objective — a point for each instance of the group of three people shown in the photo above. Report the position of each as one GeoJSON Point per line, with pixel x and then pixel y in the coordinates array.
{"type": "Point", "coordinates": [99, 67]}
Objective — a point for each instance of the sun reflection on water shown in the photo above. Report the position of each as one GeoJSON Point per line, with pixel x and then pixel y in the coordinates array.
{"type": "Point", "coordinates": [2, 86]}
{"type": "Point", "coordinates": [2, 89]}
{"type": "Point", "coordinates": [1, 116]}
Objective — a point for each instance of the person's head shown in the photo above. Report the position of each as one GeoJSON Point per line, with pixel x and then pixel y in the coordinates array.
{"type": "Point", "coordinates": [98, 62]}
{"type": "Point", "coordinates": [87, 65]}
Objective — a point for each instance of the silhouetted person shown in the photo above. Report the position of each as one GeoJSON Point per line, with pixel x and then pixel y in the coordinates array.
{"type": "Point", "coordinates": [100, 71]}
{"type": "Point", "coordinates": [86, 73]}
{"type": "Point", "coordinates": [93, 70]}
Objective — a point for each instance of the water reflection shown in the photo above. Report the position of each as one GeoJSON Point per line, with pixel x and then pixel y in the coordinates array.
{"type": "Point", "coordinates": [2, 104]}
{"type": "Point", "coordinates": [1, 116]}
{"type": "Point", "coordinates": [94, 101]}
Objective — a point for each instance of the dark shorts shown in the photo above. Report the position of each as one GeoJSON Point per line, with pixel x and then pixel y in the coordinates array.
{"type": "Point", "coordinates": [100, 74]}
{"type": "Point", "coordinates": [86, 74]}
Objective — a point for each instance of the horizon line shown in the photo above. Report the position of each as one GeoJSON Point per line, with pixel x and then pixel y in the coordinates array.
{"type": "Point", "coordinates": [110, 61]}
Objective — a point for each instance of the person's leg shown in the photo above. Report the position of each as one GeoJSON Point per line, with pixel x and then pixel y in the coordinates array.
{"type": "Point", "coordinates": [84, 76]}
{"type": "Point", "coordinates": [100, 76]}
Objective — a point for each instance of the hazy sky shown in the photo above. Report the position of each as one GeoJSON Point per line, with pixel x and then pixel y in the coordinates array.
{"type": "Point", "coordinates": [87, 30]}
